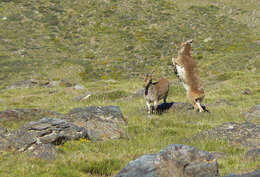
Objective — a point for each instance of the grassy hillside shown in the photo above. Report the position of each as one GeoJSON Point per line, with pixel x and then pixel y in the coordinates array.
{"type": "Point", "coordinates": [107, 46]}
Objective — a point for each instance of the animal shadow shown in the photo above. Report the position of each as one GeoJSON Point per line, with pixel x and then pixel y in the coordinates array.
{"type": "Point", "coordinates": [177, 106]}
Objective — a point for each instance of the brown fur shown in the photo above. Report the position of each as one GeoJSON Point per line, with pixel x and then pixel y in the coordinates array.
{"type": "Point", "coordinates": [195, 91]}
{"type": "Point", "coordinates": [156, 91]}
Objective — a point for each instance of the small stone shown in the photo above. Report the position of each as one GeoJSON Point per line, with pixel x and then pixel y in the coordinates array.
{"type": "Point", "coordinates": [247, 91]}
{"type": "Point", "coordinates": [208, 39]}
{"type": "Point", "coordinates": [79, 87]}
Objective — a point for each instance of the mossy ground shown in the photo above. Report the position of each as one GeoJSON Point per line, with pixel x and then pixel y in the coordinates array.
{"type": "Point", "coordinates": [107, 46]}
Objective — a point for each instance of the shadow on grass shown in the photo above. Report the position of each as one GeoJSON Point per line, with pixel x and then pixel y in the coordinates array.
{"type": "Point", "coordinates": [177, 106]}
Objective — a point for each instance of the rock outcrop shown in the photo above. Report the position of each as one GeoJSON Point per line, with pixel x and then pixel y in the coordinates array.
{"type": "Point", "coordinates": [175, 160]}
{"type": "Point", "coordinates": [45, 131]}
{"type": "Point", "coordinates": [40, 137]}
{"type": "Point", "coordinates": [101, 123]}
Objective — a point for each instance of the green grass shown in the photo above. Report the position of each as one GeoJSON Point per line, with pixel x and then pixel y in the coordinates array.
{"type": "Point", "coordinates": [107, 46]}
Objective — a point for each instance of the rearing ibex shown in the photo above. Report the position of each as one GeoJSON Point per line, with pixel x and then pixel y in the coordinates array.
{"type": "Point", "coordinates": [186, 70]}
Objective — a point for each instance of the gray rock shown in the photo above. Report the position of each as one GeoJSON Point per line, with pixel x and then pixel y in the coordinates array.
{"type": "Point", "coordinates": [101, 123]}
{"type": "Point", "coordinates": [175, 160]}
{"type": "Point", "coordinates": [44, 151]}
{"type": "Point", "coordinates": [252, 154]}
{"type": "Point", "coordinates": [79, 87]}
{"type": "Point", "coordinates": [39, 137]}
{"type": "Point", "coordinates": [253, 114]}
{"type": "Point", "coordinates": [141, 167]}
{"type": "Point", "coordinates": [252, 174]}
{"type": "Point", "coordinates": [45, 131]}
{"type": "Point", "coordinates": [65, 83]}
{"type": "Point", "coordinates": [247, 91]}
{"type": "Point", "coordinates": [245, 134]}
{"type": "Point", "coordinates": [54, 131]}
{"type": "Point", "coordinates": [18, 140]}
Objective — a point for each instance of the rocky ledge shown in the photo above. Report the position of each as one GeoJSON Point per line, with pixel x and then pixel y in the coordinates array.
{"type": "Point", "coordinates": [40, 137]}
{"type": "Point", "coordinates": [175, 160]}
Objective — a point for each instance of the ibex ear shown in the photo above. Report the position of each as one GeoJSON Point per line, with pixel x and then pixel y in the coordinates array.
{"type": "Point", "coordinates": [182, 44]}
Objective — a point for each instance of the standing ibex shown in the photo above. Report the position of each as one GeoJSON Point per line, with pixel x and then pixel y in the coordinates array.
{"type": "Point", "coordinates": [154, 92]}
{"type": "Point", "coordinates": [186, 70]}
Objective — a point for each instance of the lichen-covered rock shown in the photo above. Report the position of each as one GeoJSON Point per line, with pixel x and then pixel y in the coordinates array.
{"type": "Point", "coordinates": [44, 151]}
{"type": "Point", "coordinates": [253, 114]}
{"type": "Point", "coordinates": [54, 131]}
{"type": "Point", "coordinates": [175, 160]}
{"type": "Point", "coordinates": [245, 134]}
{"type": "Point", "coordinates": [40, 137]}
{"type": "Point", "coordinates": [101, 123]}
{"type": "Point", "coordinates": [45, 131]}
{"type": "Point", "coordinates": [18, 140]}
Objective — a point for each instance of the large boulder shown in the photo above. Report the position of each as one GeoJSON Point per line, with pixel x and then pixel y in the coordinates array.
{"type": "Point", "coordinates": [175, 160]}
{"type": "Point", "coordinates": [243, 134]}
{"type": "Point", "coordinates": [101, 123]}
{"type": "Point", "coordinates": [39, 137]}
{"type": "Point", "coordinates": [45, 131]}
{"type": "Point", "coordinates": [54, 131]}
